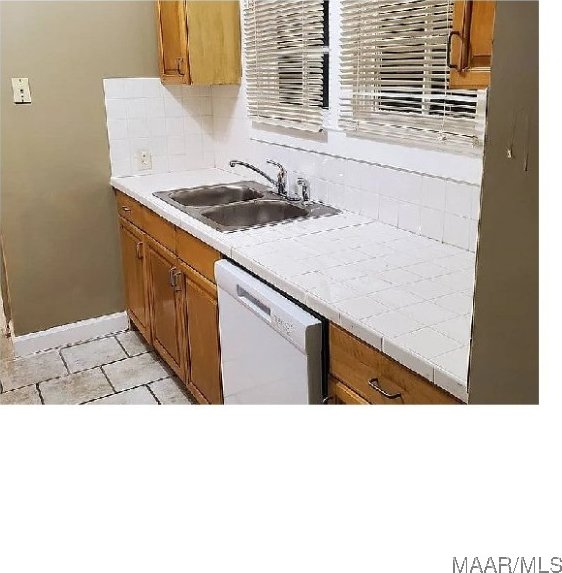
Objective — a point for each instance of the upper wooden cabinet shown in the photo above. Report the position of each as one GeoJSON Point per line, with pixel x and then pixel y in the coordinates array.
{"type": "Point", "coordinates": [199, 42]}
{"type": "Point", "coordinates": [470, 44]}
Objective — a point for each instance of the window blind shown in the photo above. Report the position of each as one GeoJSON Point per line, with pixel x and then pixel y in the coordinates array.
{"type": "Point", "coordinates": [394, 75]}
{"type": "Point", "coordinates": [283, 51]}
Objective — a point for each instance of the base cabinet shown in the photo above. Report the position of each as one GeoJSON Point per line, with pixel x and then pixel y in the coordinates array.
{"type": "Point", "coordinates": [133, 254]}
{"type": "Point", "coordinates": [166, 307]}
{"type": "Point", "coordinates": [361, 374]}
{"type": "Point", "coordinates": [171, 296]}
{"type": "Point", "coordinates": [203, 334]}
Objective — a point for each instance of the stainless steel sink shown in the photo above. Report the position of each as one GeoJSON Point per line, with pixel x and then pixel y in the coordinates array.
{"type": "Point", "coordinates": [210, 195]}
{"type": "Point", "coordinates": [241, 205]}
{"type": "Point", "coordinates": [259, 212]}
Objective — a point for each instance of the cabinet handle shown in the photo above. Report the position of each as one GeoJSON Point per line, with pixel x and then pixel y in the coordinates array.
{"type": "Point", "coordinates": [374, 384]}
{"type": "Point", "coordinates": [172, 277]}
{"type": "Point", "coordinates": [140, 254]}
{"type": "Point", "coordinates": [177, 285]}
{"type": "Point", "coordinates": [126, 209]}
{"type": "Point", "coordinates": [449, 42]}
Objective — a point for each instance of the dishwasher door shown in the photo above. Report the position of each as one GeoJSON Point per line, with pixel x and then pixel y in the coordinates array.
{"type": "Point", "coordinates": [271, 349]}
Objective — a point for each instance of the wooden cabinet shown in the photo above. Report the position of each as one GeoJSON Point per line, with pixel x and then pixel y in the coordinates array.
{"type": "Point", "coordinates": [199, 42]}
{"type": "Point", "coordinates": [369, 375]}
{"type": "Point", "coordinates": [172, 36]}
{"type": "Point", "coordinates": [340, 394]}
{"type": "Point", "coordinates": [203, 332]}
{"type": "Point", "coordinates": [470, 49]}
{"type": "Point", "coordinates": [171, 296]}
{"type": "Point", "coordinates": [166, 307]}
{"type": "Point", "coordinates": [133, 253]}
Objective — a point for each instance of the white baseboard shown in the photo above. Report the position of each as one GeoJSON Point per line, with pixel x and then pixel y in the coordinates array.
{"type": "Point", "coordinates": [70, 333]}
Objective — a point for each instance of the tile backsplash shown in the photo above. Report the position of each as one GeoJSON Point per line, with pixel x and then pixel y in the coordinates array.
{"type": "Point", "coordinates": [173, 123]}
{"type": "Point", "coordinates": [186, 128]}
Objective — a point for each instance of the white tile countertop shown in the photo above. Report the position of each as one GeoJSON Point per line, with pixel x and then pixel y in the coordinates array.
{"type": "Point", "coordinates": [406, 295]}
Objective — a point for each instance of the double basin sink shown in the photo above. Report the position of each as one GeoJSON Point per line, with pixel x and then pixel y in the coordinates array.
{"type": "Point", "coordinates": [242, 205]}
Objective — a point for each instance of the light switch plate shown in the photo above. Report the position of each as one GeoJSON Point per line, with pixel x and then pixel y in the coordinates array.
{"type": "Point", "coordinates": [22, 94]}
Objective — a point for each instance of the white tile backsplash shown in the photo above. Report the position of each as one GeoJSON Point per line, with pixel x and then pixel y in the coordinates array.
{"type": "Point", "coordinates": [186, 127]}
{"type": "Point", "coordinates": [171, 122]}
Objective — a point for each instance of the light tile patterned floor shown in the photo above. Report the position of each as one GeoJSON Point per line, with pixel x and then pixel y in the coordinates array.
{"type": "Point", "coordinates": [118, 369]}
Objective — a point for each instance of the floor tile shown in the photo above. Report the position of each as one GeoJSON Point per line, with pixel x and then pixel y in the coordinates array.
{"type": "Point", "coordinates": [27, 395]}
{"type": "Point", "coordinates": [133, 343]}
{"type": "Point", "coordinates": [168, 391]}
{"type": "Point", "coordinates": [135, 397]}
{"type": "Point", "coordinates": [92, 354]}
{"type": "Point", "coordinates": [135, 371]}
{"type": "Point", "coordinates": [76, 388]}
{"type": "Point", "coordinates": [31, 369]}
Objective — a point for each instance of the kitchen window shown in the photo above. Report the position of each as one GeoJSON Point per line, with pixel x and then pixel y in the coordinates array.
{"type": "Point", "coordinates": [286, 62]}
{"type": "Point", "coordinates": [395, 76]}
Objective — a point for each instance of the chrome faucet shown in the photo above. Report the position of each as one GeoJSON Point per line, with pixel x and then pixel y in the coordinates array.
{"type": "Point", "coordinates": [280, 184]}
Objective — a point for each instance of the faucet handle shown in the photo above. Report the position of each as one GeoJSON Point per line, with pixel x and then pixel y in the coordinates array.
{"type": "Point", "coordinates": [304, 186]}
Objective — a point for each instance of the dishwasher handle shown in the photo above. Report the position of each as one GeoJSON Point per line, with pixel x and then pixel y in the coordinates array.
{"type": "Point", "coordinates": [253, 303]}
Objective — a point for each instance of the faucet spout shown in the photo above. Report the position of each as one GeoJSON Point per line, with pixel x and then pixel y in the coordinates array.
{"type": "Point", "coordinates": [235, 162]}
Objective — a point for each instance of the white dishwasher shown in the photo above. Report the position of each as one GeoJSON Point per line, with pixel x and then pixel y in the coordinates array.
{"type": "Point", "coordinates": [271, 349]}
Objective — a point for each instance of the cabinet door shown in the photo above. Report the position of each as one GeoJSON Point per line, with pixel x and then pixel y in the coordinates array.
{"type": "Point", "coordinates": [172, 41]}
{"type": "Point", "coordinates": [471, 43]}
{"type": "Point", "coordinates": [203, 333]}
{"type": "Point", "coordinates": [133, 251]}
{"type": "Point", "coordinates": [214, 42]}
{"type": "Point", "coordinates": [167, 307]}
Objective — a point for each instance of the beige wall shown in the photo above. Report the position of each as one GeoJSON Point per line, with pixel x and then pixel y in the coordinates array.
{"type": "Point", "coordinates": [58, 219]}
{"type": "Point", "coordinates": [504, 364]}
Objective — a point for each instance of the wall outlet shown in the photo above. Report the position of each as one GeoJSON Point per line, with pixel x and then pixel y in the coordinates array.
{"type": "Point", "coordinates": [144, 159]}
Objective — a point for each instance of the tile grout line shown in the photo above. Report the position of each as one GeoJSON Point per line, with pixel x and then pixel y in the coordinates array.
{"type": "Point", "coordinates": [153, 394]}
{"type": "Point", "coordinates": [80, 371]}
{"type": "Point", "coordinates": [116, 392]}
{"type": "Point", "coordinates": [108, 380]}
{"type": "Point", "coordinates": [40, 393]}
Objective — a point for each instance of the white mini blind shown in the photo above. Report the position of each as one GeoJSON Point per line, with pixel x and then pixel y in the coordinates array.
{"type": "Point", "coordinates": [283, 51]}
{"type": "Point", "coordinates": [394, 75]}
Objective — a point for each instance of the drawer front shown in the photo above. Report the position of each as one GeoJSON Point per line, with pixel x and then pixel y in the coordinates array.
{"type": "Point", "coordinates": [339, 394]}
{"type": "Point", "coordinates": [376, 377]}
{"type": "Point", "coordinates": [197, 254]}
{"type": "Point", "coordinates": [153, 225]}
{"type": "Point", "coordinates": [131, 210]}
{"type": "Point", "coordinates": [160, 230]}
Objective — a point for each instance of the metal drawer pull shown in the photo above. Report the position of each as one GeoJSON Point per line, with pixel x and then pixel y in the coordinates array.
{"type": "Point", "coordinates": [173, 277]}
{"type": "Point", "coordinates": [177, 285]}
{"type": "Point", "coordinates": [374, 384]}
{"type": "Point", "coordinates": [126, 209]}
